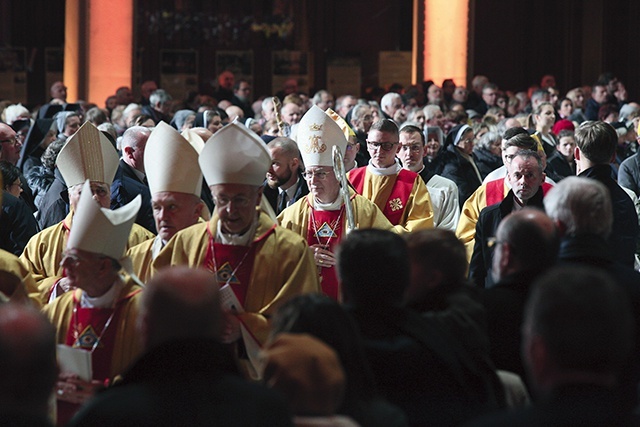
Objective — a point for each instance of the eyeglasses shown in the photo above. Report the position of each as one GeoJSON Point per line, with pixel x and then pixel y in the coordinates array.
{"type": "Point", "coordinates": [351, 146]}
{"type": "Point", "coordinates": [413, 147]}
{"type": "Point", "coordinates": [13, 141]}
{"type": "Point", "coordinates": [238, 201]}
{"type": "Point", "coordinates": [385, 146]}
{"type": "Point", "coordinates": [321, 175]}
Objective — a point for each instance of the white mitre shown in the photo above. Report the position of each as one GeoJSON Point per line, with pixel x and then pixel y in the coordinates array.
{"type": "Point", "coordinates": [171, 163]}
{"type": "Point", "coordinates": [317, 134]}
{"type": "Point", "coordinates": [235, 155]}
{"type": "Point", "coordinates": [100, 230]}
{"type": "Point", "coordinates": [87, 155]}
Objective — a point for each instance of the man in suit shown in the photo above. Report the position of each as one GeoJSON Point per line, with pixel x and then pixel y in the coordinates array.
{"type": "Point", "coordinates": [130, 179]}
{"type": "Point", "coordinates": [284, 184]}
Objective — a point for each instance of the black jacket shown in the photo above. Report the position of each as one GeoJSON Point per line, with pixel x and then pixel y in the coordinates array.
{"type": "Point", "coordinates": [624, 234]}
{"type": "Point", "coordinates": [17, 224]}
{"type": "Point", "coordinates": [125, 187]}
{"type": "Point", "coordinates": [184, 383]}
{"type": "Point", "coordinates": [490, 218]}
{"type": "Point", "coordinates": [459, 170]}
{"type": "Point", "coordinates": [272, 193]}
{"type": "Point", "coordinates": [54, 206]}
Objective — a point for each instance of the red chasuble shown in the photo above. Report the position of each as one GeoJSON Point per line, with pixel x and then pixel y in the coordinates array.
{"type": "Point", "coordinates": [86, 327]}
{"type": "Point", "coordinates": [232, 264]}
{"type": "Point", "coordinates": [328, 226]}
{"type": "Point", "coordinates": [397, 202]}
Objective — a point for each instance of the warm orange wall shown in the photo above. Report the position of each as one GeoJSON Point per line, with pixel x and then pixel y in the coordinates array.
{"type": "Point", "coordinates": [102, 40]}
{"type": "Point", "coordinates": [110, 45]}
{"type": "Point", "coordinates": [71, 49]}
{"type": "Point", "coordinates": [445, 40]}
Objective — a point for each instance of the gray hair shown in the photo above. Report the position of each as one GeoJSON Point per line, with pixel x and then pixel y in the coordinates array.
{"type": "Point", "coordinates": [431, 110]}
{"type": "Point", "coordinates": [159, 96]}
{"type": "Point", "coordinates": [388, 98]}
{"type": "Point", "coordinates": [488, 139]}
{"type": "Point", "coordinates": [582, 205]}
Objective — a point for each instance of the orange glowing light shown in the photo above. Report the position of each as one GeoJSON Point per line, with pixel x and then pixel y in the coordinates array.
{"type": "Point", "coordinates": [445, 40]}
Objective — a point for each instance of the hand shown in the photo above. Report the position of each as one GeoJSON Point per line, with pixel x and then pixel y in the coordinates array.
{"type": "Point", "coordinates": [230, 328]}
{"type": "Point", "coordinates": [64, 286]}
{"type": "Point", "coordinates": [72, 389]}
{"type": "Point", "coordinates": [322, 257]}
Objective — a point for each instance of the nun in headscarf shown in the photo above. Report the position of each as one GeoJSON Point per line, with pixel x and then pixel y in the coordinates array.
{"type": "Point", "coordinates": [183, 120]}
{"type": "Point", "coordinates": [458, 163]}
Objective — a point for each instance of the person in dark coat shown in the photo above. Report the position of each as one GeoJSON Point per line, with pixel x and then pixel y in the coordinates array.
{"type": "Point", "coordinates": [417, 365]}
{"type": "Point", "coordinates": [582, 211]}
{"type": "Point", "coordinates": [488, 153]}
{"type": "Point", "coordinates": [457, 162]}
{"type": "Point", "coordinates": [185, 376]}
{"type": "Point", "coordinates": [526, 245]}
{"type": "Point", "coordinates": [574, 360]}
{"type": "Point", "coordinates": [17, 224]}
{"type": "Point", "coordinates": [130, 179]}
{"type": "Point", "coordinates": [596, 144]}
{"type": "Point", "coordinates": [629, 173]}
{"type": "Point", "coordinates": [284, 184]}
{"type": "Point", "coordinates": [562, 161]}
{"type": "Point", "coordinates": [526, 178]}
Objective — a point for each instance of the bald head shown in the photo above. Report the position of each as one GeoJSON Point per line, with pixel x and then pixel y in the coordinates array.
{"type": "Point", "coordinates": [28, 365]}
{"type": "Point", "coordinates": [180, 303]}
{"type": "Point", "coordinates": [526, 241]}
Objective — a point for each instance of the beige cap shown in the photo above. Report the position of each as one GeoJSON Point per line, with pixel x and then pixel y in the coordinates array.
{"type": "Point", "coordinates": [346, 129]}
{"type": "Point", "coordinates": [88, 154]}
{"type": "Point", "coordinates": [99, 230]}
{"type": "Point", "coordinates": [194, 138]}
{"type": "Point", "coordinates": [170, 162]}
{"type": "Point", "coordinates": [317, 134]}
{"type": "Point", "coordinates": [235, 155]}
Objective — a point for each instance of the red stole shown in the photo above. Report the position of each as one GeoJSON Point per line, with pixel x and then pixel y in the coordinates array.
{"type": "Point", "coordinates": [86, 326]}
{"type": "Point", "coordinates": [329, 225]}
{"type": "Point", "coordinates": [495, 191]}
{"type": "Point", "coordinates": [397, 202]}
{"type": "Point", "coordinates": [234, 264]}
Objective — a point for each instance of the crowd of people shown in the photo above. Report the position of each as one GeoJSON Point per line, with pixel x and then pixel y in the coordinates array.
{"type": "Point", "coordinates": [431, 255]}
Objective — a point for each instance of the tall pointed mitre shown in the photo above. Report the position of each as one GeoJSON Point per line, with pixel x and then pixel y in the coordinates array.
{"type": "Point", "coordinates": [194, 139]}
{"type": "Point", "coordinates": [317, 134]}
{"type": "Point", "coordinates": [235, 155]}
{"type": "Point", "coordinates": [344, 126]}
{"type": "Point", "coordinates": [100, 230]}
{"type": "Point", "coordinates": [88, 154]}
{"type": "Point", "coordinates": [171, 163]}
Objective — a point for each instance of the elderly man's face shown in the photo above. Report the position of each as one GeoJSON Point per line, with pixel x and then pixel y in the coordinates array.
{"type": "Point", "coordinates": [525, 177]}
{"type": "Point", "coordinates": [236, 206]}
{"type": "Point", "coordinates": [71, 125]}
{"type": "Point", "coordinates": [173, 211]}
{"type": "Point", "coordinates": [9, 144]}
{"type": "Point", "coordinates": [80, 267]}
{"type": "Point", "coordinates": [434, 94]}
{"type": "Point", "coordinates": [323, 184]}
{"type": "Point", "coordinates": [59, 91]}
{"type": "Point", "coordinates": [101, 194]}
{"type": "Point", "coordinates": [226, 80]}
{"type": "Point", "coordinates": [326, 101]}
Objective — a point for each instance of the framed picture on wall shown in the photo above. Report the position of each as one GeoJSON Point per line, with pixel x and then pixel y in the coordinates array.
{"type": "Point", "coordinates": [292, 65]}
{"type": "Point", "coordinates": [179, 71]}
{"type": "Point", "coordinates": [13, 75]}
{"type": "Point", "coordinates": [239, 62]}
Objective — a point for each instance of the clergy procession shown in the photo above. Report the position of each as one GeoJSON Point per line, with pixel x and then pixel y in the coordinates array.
{"type": "Point", "coordinates": [428, 258]}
